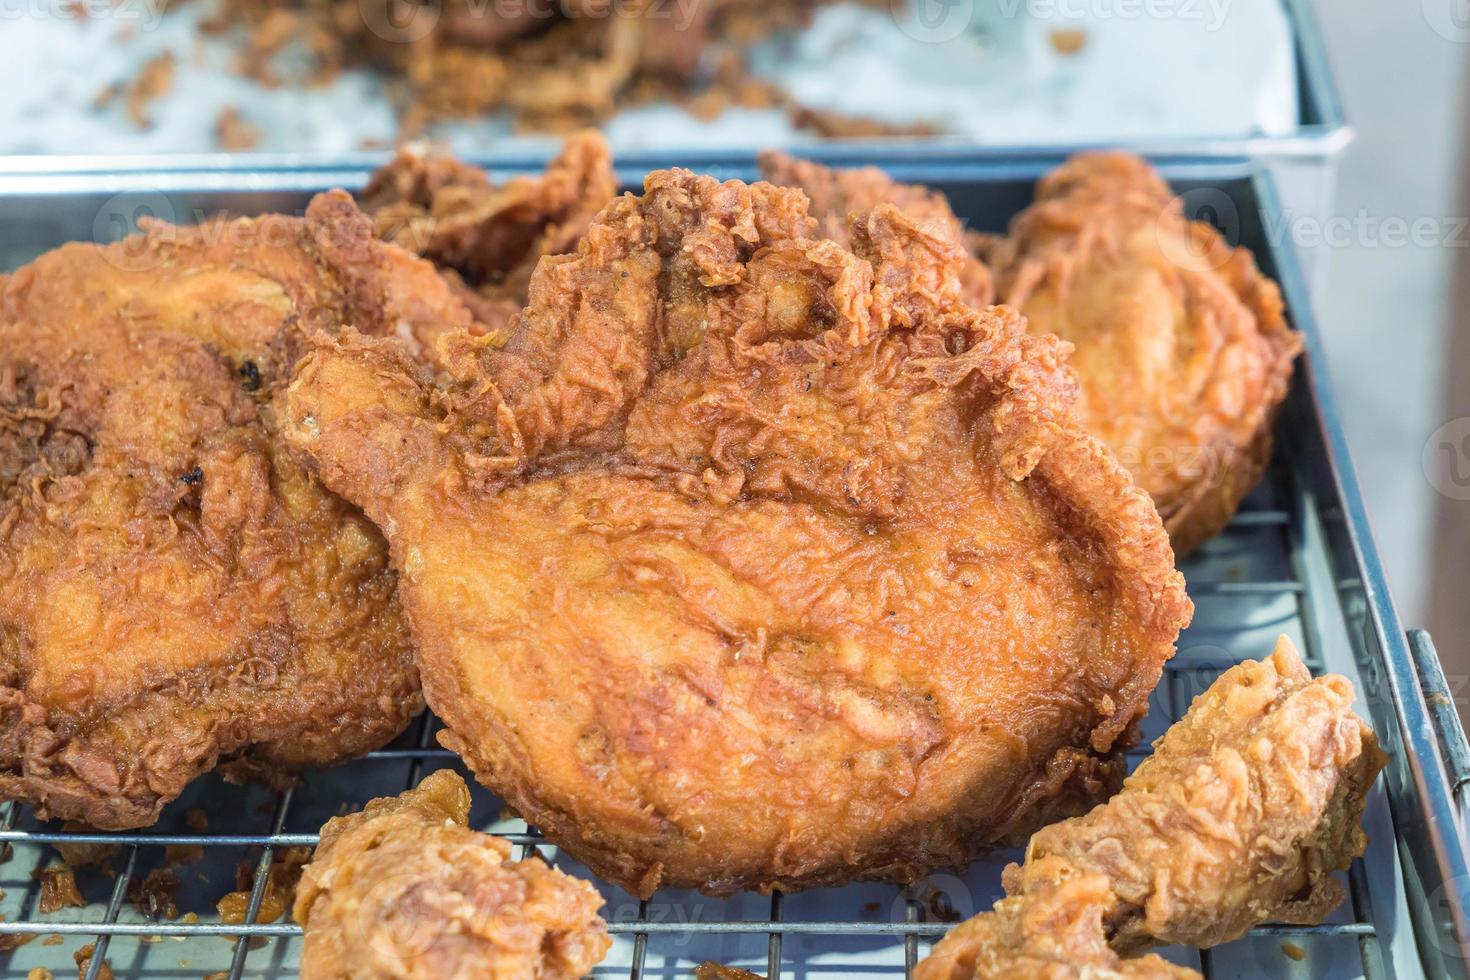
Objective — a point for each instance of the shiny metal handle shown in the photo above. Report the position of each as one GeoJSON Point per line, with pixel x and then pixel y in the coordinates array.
{"type": "Point", "coordinates": [1440, 700]}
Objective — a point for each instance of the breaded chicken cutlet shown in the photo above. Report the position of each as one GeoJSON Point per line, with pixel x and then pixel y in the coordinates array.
{"type": "Point", "coordinates": [1181, 344]}
{"type": "Point", "coordinates": [176, 592]}
{"type": "Point", "coordinates": [752, 561]}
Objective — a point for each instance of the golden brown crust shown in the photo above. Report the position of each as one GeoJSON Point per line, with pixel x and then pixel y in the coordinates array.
{"type": "Point", "coordinates": [787, 568]}
{"type": "Point", "coordinates": [1245, 810]}
{"type": "Point", "coordinates": [176, 592]}
{"type": "Point", "coordinates": [837, 195]}
{"type": "Point", "coordinates": [487, 239]}
{"type": "Point", "coordinates": [404, 890]}
{"type": "Point", "coordinates": [1181, 344]}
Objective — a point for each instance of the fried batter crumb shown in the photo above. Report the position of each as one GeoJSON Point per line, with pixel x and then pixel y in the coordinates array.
{"type": "Point", "coordinates": [155, 894]}
{"type": "Point", "coordinates": [280, 888]}
{"type": "Point", "coordinates": [39, 973]}
{"type": "Point", "coordinates": [232, 131]}
{"type": "Point", "coordinates": [1067, 42]}
{"type": "Point", "coordinates": [59, 889]}
{"type": "Point", "coordinates": [154, 81]}
{"type": "Point", "coordinates": [15, 940]}
{"type": "Point", "coordinates": [83, 958]}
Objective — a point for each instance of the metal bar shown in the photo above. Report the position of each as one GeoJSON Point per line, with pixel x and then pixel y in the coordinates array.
{"type": "Point", "coordinates": [1441, 702]}
{"type": "Point", "coordinates": [419, 753]}
{"type": "Point", "coordinates": [114, 909]}
{"type": "Point", "coordinates": [640, 939]}
{"type": "Point", "coordinates": [1362, 902]}
{"type": "Point", "coordinates": [773, 947]}
{"type": "Point", "coordinates": [1245, 588]}
{"type": "Point", "coordinates": [637, 928]}
{"type": "Point", "coordinates": [1258, 518]}
{"type": "Point", "coordinates": [257, 890]}
{"type": "Point", "coordinates": [910, 940]}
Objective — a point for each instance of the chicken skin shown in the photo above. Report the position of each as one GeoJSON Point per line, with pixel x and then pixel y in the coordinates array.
{"type": "Point", "coordinates": [1181, 346]}
{"type": "Point", "coordinates": [486, 239]}
{"type": "Point", "coordinates": [750, 561]}
{"type": "Point", "coordinates": [404, 890]}
{"type": "Point", "coordinates": [1241, 815]}
{"type": "Point", "coordinates": [836, 195]}
{"type": "Point", "coordinates": [176, 592]}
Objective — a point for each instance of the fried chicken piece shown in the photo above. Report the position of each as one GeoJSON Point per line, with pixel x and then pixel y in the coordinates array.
{"type": "Point", "coordinates": [405, 890]}
{"type": "Point", "coordinates": [487, 239]}
{"type": "Point", "coordinates": [837, 195]}
{"type": "Point", "coordinates": [1240, 816]}
{"type": "Point", "coordinates": [1181, 346]}
{"type": "Point", "coordinates": [176, 592]}
{"type": "Point", "coordinates": [751, 561]}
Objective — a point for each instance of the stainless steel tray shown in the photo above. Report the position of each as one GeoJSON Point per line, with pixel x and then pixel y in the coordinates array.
{"type": "Point", "coordinates": [1298, 559]}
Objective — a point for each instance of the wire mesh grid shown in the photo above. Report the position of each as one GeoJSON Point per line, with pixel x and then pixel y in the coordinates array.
{"type": "Point", "coordinates": [1260, 578]}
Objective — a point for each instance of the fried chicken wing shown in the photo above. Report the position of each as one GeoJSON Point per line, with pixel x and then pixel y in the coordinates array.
{"type": "Point", "coordinates": [837, 195]}
{"type": "Point", "coordinates": [487, 239]}
{"type": "Point", "coordinates": [752, 561]}
{"type": "Point", "coordinates": [1241, 815]}
{"type": "Point", "coordinates": [175, 590]}
{"type": "Point", "coordinates": [404, 890]}
{"type": "Point", "coordinates": [1181, 346]}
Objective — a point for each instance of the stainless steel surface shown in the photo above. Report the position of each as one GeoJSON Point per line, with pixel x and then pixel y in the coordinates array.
{"type": "Point", "coordinates": [1298, 559]}
{"type": "Point", "coordinates": [1321, 134]}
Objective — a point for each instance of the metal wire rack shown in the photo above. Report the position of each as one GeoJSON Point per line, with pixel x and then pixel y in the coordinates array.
{"type": "Point", "coordinates": [1293, 561]}
{"type": "Point", "coordinates": [1249, 585]}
